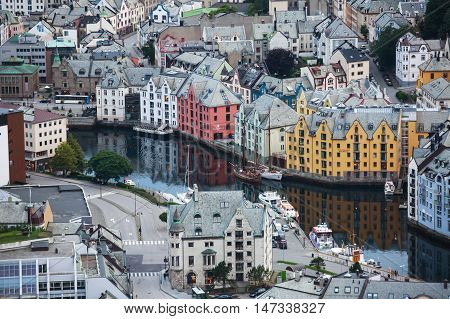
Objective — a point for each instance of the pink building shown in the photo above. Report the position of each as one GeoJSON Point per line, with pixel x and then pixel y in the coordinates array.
{"type": "Point", "coordinates": [206, 108]}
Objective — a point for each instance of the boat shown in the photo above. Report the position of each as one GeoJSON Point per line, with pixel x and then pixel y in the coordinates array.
{"type": "Point", "coordinates": [186, 196]}
{"type": "Point", "coordinates": [321, 236]}
{"type": "Point", "coordinates": [129, 182]}
{"type": "Point", "coordinates": [163, 130]}
{"type": "Point", "coordinates": [389, 188]}
{"type": "Point", "coordinates": [250, 174]}
{"type": "Point", "coordinates": [270, 199]}
{"type": "Point", "coordinates": [286, 209]}
{"type": "Point", "coordinates": [270, 173]}
{"type": "Point", "coordinates": [350, 252]}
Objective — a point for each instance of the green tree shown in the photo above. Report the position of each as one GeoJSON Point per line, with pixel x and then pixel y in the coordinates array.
{"type": "Point", "coordinates": [65, 159]}
{"type": "Point", "coordinates": [221, 272]}
{"type": "Point", "coordinates": [258, 6]}
{"type": "Point", "coordinates": [384, 47]}
{"type": "Point", "coordinates": [258, 274]}
{"type": "Point", "coordinates": [108, 165]}
{"type": "Point", "coordinates": [365, 31]}
{"type": "Point", "coordinates": [435, 25]}
{"type": "Point", "coordinates": [317, 262]}
{"type": "Point", "coordinates": [401, 96]}
{"type": "Point", "coordinates": [149, 52]}
{"type": "Point", "coordinates": [79, 154]}
{"type": "Point", "coordinates": [356, 267]}
{"type": "Point", "coordinates": [280, 62]}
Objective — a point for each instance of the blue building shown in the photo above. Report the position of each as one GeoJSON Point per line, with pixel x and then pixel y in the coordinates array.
{"type": "Point", "coordinates": [286, 90]}
{"type": "Point", "coordinates": [429, 183]}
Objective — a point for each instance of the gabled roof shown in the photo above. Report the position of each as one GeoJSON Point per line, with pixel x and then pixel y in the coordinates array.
{"type": "Point", "coordinates": [336, 29]}
{"type": "Point", "coordinates": [439, 89]}
{"type": "Point", "coordinates": [436, 64]}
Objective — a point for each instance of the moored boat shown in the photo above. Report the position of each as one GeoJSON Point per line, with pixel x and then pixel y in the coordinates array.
{"type": "Point", "coordinates": [270, 199]}
{"type": "Point", "coordinates": [247, 175]}
{"type": "Point", "coordinates": [286, 209]}
{"type": "Point", "coordinates": [272, 175]}
{"type": "Point", "coordinates": [389, 188]}
{"type": "Point", "coordinates": [322, 236]}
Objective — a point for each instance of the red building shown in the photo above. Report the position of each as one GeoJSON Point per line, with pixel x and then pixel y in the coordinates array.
{"type": "Point", "coordinates": [206, 108]}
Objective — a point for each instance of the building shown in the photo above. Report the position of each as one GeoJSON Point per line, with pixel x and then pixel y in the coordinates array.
{"type": "Point", "coordinates": [44, 132]}
{"type": "Point", "coordinates": [411, 51]}
{"type": "Point", "coordinates": [216, 68]}
{"type": "Point", "coordinates": [29, 48]}
{"type": "Point", "coordinates": [215, 227]}
{"type": "Point", "coordinates": [206, 108]}
{"type": "Point", "coordinates": [329, 35]}
{"type": "Point", "coordinates": [434, 68]}
{"type": "Point", "coordinates": [428, 180]}
{"type": "Point", "coordinates": [385, 20]}
{"type": "Point", "coordinates": [326, 77]}
{"type": "Point", "coordinates": [12, 148]}
{"type": "Point", "coordinates": [306, 34]}
{"type": "Point", "coordinates": [413, 11]}
{"type": "Point", "coordinates": [159, 100]}
{"type": "Point", "coordinates": [266, 121]}
{"type": "Point", "coordinates": [261, 35]}
{"type": "Point", "coordinates": [352, 144]}
{"type": "Point", "coordinates": [435, 95]}
{"type": "Point", "coordinates": [242, 81]}
{"type": "Point", "coordinates": [405, 290]}
{"type": "Point", "coordinates": [17, 79]}
{"type": "Point", "coordinates": [354, 63]}
{"type": "Point", "coordinates": [19, 8]}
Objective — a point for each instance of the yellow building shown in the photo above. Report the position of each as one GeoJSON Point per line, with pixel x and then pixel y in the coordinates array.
{"type": "Point", "coordinates": [350, 144]}
{"type": "Point", "coordinates": [434, 68]}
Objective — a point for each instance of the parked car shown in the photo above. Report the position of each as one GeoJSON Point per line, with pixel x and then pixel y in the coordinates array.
{"type": "Point", "coordinates": [257, 292]}
{"type": "Point", "coordinates": [282, 244]}
{"type": "Point", "coordinates": [285, 227]}
{"type": "Point", "coordinates": [45, 101]}
{"type": "Point", "coordinates": [274, 244]}
{"type": "Point", "coordinates": [389, 83]}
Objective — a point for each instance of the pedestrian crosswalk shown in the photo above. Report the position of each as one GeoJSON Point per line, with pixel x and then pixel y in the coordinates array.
{"type": "Point", "coordinates": [142, 242]}
{"type": "Point", "coordinates": [144, 274]}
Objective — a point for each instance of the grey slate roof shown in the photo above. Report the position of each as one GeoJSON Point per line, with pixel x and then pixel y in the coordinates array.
{"type": "Point", "coordinates": [173, 80]}
{"type": "Point", "coordinates": [262, 31]}
{"type": "Point", "coordinates": [210, 203]}
{"type": "Point", "coordinates": [302, 289]}
{"type": "Point", "coordinates": [248, 75]}
{"type": "Point", "coordinates": [390, 19]}
{"type": "Point", "coordinates": [413, 8]}
{"type": "Point", "coordinates": [290, 16]}
{"type": "Point", "coordinates": [353, 55]}
{"type": "Point", "coordinates": [337, 29]}
{"type": "Point", "coordinates": [439, 89]}
{"type": "Point", "coordinates": [244, 47]}
{"type": "Point", "coordinates": [305, 27]}
{"type": "Point", "coordinates": [224, 33]}
{"type": "Point", "coordinates": [10, 213]}
{"type": "Point", "coordinates": [435, 64]}
{"type": "Point", "coordinates": [436, 166]}
{"type": "Point", "coordinates": [209, 92]}
{"type": "Point", "coordinates": [344, 288]}
{"type": "Point", "coordinates": [139, 77]}
{"type": "Point", "coordinates": [209, 66]}
{"type": "Point", "coordinates": [281, 115]}
{"type": "Point", "coordinates": [288, 29]}
{"type": "Point", "coordinates": [402, 290]}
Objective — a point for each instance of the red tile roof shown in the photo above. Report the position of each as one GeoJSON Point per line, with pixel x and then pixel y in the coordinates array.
{"type": "Point", "coordinates": [44, 116]}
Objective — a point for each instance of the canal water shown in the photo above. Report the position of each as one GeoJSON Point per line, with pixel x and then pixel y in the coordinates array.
{"type": "Point", "coordinates": [380, 226]}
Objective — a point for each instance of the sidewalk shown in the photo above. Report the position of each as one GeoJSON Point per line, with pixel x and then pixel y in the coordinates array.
{"type": "Point", "coordinates": [165, 287]}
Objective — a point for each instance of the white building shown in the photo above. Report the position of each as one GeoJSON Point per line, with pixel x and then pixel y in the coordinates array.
{"type": "Point", "coordinates": [159, 100]}
{"type": "Point", "coordinates": [411, 52]}
{"type": "Point", "coordinates": [20, 7]}
{"type": "Point", "coordinates": [266, 121]}
{"type": "Point", "coordinates": [215, 227]}
{"type": "Point", "coordinates": [44, 132]}
{"type": "Point", "coordinates": [330, 34]}
{"type": "Point", "coordinates": [111, 98]}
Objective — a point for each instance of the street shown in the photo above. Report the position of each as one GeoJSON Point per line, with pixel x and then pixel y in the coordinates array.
{"type": "Point", "coordinates": [115, 209]}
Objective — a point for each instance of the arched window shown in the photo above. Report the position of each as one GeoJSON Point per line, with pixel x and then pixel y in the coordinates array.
{"type": "Point", "coordinates": [197, 219]}
{"type": "Point", "coordinates": [191, 278]}
{"type": "Point", "coordinates": [198, 231]}
{"type": "Point", "coordinates": [216, 218]}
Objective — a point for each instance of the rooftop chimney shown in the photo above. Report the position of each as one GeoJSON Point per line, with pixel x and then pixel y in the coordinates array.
{"type": "Point", "coordinates": [195, 193]}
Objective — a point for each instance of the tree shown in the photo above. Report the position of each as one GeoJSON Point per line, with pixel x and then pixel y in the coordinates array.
{"type": "Point", "coordinates": [280, 61]}
{"type": "Point", "coordinates": [79, 154]}
{"type": "Point", "coordinates": [64, 159]}
{"type": "Point", "coordinates": [401, 96]}
{"type": "Point", "coordinates": [317, 262]}
{"type": "Point", "coordinates": [365, 31]}
{"type": "Point", "coordinates": [149, 52]}
{"type": "Point", "coordinates": [108, 165]}
{"type": "Point", "coordinates": [384, 47]}
{"type": "Point", "coordinates": [258, 6]}
{"type": "Point", "coordinates": [356, 267]}
{"type": "Point", "coordinates": [435, 25]}
{"type": "Point", "coordinates": [221, 272]}
{"type": "Point", "coordinates": [258, 274]}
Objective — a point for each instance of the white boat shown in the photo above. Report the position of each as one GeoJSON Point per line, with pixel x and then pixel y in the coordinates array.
{"type": "Point", "coordinates": [286, 209]}
{"type": "Point", "coordinates": [322, 236]}
{"type": "Point", "coordinates": [352, 253]}
{"type": "Point", "coordinates": [272, 174]}
{"type": "Point", "coordinates": [129, 182]}
{"type": "Point", "coordinates": [270, 199]}
{"type": "Point", "coordinates": [389, 188]}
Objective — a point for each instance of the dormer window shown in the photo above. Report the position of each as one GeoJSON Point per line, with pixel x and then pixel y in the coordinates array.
{"type": "Point", "coordinates": [82, 71]}
{"type": "Point", "coordinates": [224, 205]}
{"type": "Point", "coordinates": [216, 218]}
{"type": "Point", "coordinates": [198, 231]}
{"type": "Point", "coordinates": [197, 219]}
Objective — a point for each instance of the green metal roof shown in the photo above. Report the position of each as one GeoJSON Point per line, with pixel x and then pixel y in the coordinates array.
{"type": "Point", "coordinates": [198, 11]}
{"type": "Point", "coordinates": [18, 69]}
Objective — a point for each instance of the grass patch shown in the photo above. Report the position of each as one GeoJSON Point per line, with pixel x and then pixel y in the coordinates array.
{"type": "Point", "coordinates": [163, 217]}
{"type": "Point", "coordinates": [323, 271]}
{"type": "Point", "coordinates": [287, 262]}
{"type": "Point", "coordinates": [283, 275]}
{"type": "Point", "coordinates": [13, 236]}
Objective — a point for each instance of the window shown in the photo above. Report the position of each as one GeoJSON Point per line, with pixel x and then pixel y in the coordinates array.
{"type": "Point", "coordinates": [190, 245]}
{"type": "Point", "coordinates": [191, 261]}
{"type": "Point", "coordinates": [43, 269]}
{"type": "Point", "coordinates": [336, 290]}
{"type": "Point", "coordinates": [391, 295]}
{"type": "Point", "coordinates": [197, 219]}
{"type": "Point", "coordinates": [239, 223]}
{"type": "Point", "coordinates": [216, 218]}
{"type": "Point", "coordinates": [347, 289]}
{"type": "Point", "coordinates": [356, 290]}
{"type": "Point", "coordinates": [198, 231]}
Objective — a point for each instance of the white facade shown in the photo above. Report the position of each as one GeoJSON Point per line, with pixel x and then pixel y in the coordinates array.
{"type": "Point", "coordinates": [279, 41]}
{"type": "Point", "coordinates": [21, 6]}
{"type": "Point", "coordinates": [159, 104]}
{"type": "Point", "coordinates": [44, 132]}
{"type": "Point", "coordinates": [4, 155]}
{"type": "Point", "coordinates": [111, 103]}
{"type": "Point", "coordinates": [409, 54]}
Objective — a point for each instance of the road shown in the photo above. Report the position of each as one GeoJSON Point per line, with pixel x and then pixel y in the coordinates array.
{"type": "Point", "coordinates": [390, 90]}
{"type": "Point", "coordinates": [115, 209]}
